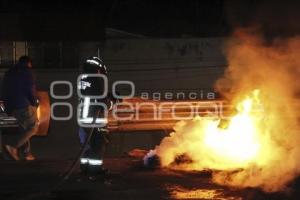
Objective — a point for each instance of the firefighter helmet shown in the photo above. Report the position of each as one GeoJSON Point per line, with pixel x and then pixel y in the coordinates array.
{"type": "Point", "coordinates": [94, 65]}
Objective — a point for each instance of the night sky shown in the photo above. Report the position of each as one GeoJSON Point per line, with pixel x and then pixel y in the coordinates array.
{"type": "Point", "coordinates": [86, 20]}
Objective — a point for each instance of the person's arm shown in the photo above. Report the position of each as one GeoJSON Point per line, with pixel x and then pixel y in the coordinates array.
{"type": "Point", "coordinates": [30, 88]}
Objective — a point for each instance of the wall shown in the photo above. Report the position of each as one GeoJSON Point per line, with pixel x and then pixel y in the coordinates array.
{"type": "Point", "coordinates": [154, 65]}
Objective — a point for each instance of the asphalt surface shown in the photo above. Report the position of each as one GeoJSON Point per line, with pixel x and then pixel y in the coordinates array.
{"type": "Point", "coordinates": [41, 180]}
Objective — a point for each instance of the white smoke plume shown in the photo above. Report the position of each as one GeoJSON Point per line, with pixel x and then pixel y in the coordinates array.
{"type": "Point", "coordinates": [273, 68]}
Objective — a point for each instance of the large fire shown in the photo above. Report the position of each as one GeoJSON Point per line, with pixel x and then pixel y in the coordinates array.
{"type": "Point", "coordinates": [237, 144]}
{"type": "Point", "coordinates": [259, 144]}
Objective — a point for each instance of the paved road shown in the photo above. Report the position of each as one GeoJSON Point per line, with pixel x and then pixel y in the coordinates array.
{"type": "Point", "coordinates": [38, 180]}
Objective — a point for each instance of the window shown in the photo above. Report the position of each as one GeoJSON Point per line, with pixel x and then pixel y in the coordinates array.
{"type": "Point", "coordinates": [70, 55]}
{"type": "Point", "coordinates": [6, 54]}
{"type": "Point", "coordinates": [35, 51]}
{"type": "Point", "coordinates": [44, 54]}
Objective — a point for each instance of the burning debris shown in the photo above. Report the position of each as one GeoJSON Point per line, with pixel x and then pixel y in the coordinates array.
{"type": "Point", "coordinates": [259, 145]}
{"type": "Point", "coordinates": [182, 193]}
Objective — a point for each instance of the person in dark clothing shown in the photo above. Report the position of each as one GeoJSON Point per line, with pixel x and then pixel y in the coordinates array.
{"type": "Point", "coordinates": [92, 160]}
{"type": "Point", "coordinates": [19, 95]}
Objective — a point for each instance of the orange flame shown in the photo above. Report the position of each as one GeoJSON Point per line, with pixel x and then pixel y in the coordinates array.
{"type": "Point", "coordinates": [260, 144]}
{"type": "Point", "coordinates": [214, 147]}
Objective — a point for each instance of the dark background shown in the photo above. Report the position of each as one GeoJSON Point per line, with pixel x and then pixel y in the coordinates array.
{"type": "Point", "coordinates": [87, 20]}
{"type": "Point", "coordinates": [166, 45]}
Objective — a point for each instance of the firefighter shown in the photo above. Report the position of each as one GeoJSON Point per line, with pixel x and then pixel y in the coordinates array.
{"type": "Point", "coordinates": [91, 162]}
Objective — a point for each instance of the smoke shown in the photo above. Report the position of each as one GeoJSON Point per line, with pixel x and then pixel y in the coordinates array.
{"type": "Point", "coordinates": [276, 18]}
{"type": "Point", "coordinates": [273, 68]}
